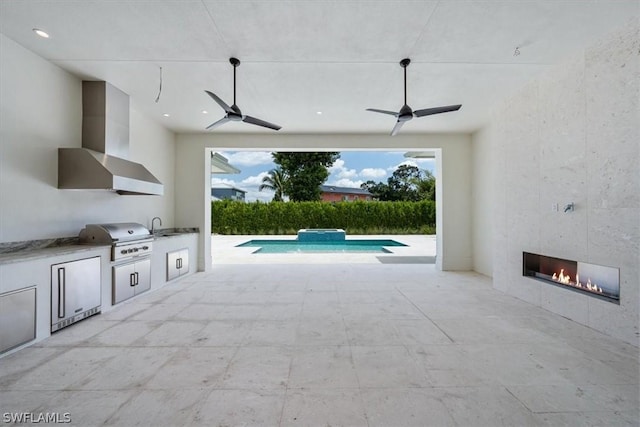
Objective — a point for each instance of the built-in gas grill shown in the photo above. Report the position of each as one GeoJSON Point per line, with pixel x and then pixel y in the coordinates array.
{"type": "Point", "coordinates": [131, 247]}
{"type": "Point", "coordinates": [127, 239]}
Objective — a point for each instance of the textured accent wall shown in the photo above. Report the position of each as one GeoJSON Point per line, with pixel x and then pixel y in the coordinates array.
{"type": "Point", "coordinates": [40, 111]}
{"type": "Point", "coordinates": [572, 135]}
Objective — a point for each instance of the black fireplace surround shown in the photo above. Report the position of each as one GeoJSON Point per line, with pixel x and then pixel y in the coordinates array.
{"type": "Point", "coordinates": [590, 279]}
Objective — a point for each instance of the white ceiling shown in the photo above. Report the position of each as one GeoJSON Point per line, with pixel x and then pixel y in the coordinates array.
{"type": "Point", "coordinates": [300, 57]}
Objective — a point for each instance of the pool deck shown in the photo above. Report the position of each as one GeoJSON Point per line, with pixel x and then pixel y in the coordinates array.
{"type": "Point", "coordinates": [224, 250]}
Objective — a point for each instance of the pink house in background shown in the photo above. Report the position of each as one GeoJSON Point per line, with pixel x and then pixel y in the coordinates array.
{"type": "Point", "coordinates": [331, 193]}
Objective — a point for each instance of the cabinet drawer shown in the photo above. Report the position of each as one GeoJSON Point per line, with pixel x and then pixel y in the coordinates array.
{"type": "Point", "coordinates": [17, 318]}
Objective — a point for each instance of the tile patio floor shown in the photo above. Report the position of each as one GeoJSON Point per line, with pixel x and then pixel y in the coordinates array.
{"type": "Point", "coordinates": [327, 345]}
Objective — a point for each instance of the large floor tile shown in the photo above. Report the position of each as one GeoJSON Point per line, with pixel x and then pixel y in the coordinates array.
{"type": "Point", "coordinates": [195, 367]}
{"type": "Point", "coordinates": [258, 368]}
{"type": "Point", "coordinates": [405, 408]}
{"type": "Point", "coordinates": [159, 408]}
{"type": "Point", "coordinates": [16, 365]}
{"type": "Point", "coordinates": [125, 310]}
{"type": "Point", "coordinates": [584, 398]}
{"type": "Point", "coordinates": [323, 367]}
{"type": "Point", "coordinates": [321, 332]}
{"type": "Point", "coordinates": [131, 368]}
{"type": "Point", "coordinates": [387, 367]}
{"type": "Point", "coordinates": [323, 407]}
{"type": "Point", "coordinates": [223, 333]}
{"type": "Point", "coordinates": [17, 402]}
{"type": "Point", "coordinates": [420, 331]}
{"type": "Point", "coordinates": [271, 332]}
{"type": "Point", "coordinates": [67, 369]}
{"type": "Point", "coordinates": [123, 333]}
{"type": "Point", "coordinates": [256, 408]}
{"type": "Point", "coordinates": [366, 331]}
{"type": "Point", "coordinates": [87, 407]}
{"type": "Point", "coordinates": [590, 419]}
{"type": "Point", "coordinates": [159, 312]}
{"type": "Point", "coordinates": [173, 333]}
{"type": "Point", "coordinates": [486, 406]}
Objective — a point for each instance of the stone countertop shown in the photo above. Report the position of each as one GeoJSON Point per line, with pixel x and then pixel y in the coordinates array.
{"type": "Point", "coordinates": [27, 254]}
{"type": "Point", "coordinates": [166, 233]}
{"type": "Point", "coordinates": [11, 252]}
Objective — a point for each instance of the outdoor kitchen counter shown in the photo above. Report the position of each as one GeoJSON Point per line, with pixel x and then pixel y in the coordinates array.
{"type": "Point", "coordinates": [173, 232]}
{"type": "Point", "coordinates": [37, 249]}
{"type": "Point", "coordinates": [28, 253]}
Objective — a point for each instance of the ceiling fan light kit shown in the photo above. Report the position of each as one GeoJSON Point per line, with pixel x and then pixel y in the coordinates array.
{"type": "Point", "coordinates": [405, 114]}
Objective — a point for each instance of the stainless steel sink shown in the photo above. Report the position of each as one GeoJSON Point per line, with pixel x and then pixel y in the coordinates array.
{"type": "Point", "coordinates": [167, 234]}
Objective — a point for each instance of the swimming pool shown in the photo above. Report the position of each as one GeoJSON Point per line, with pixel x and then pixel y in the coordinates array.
{"type": "Point", "coordinates": [296, 246]}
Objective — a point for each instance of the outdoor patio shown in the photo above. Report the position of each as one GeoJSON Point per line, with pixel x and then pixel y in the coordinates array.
{"type": "Point", "coordinates": [352, 344]}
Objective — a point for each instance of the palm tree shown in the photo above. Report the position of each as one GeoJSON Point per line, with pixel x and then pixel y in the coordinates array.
{"type": "Point", "coordinates": [275, 181]}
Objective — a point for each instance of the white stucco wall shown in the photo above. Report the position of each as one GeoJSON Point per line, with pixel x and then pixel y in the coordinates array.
{"type": "Point", "coordinates": [454, 233]}
{"type": "Point", "coordinates": [40, 111]}
{"type": "Point", "coordinates": [482, 199]}
{"type": "Point", "coordinates": [572, 135]}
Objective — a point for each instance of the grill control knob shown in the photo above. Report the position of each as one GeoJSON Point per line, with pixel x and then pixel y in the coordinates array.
{"type": "Point", "coordinates": [129, 250]}
{"type": "Point", "coordinates": [135, 249]}
{"type": "Point", "coordinates": [124, 251]}
{"type": "Point", "coordinates": [144, 248]}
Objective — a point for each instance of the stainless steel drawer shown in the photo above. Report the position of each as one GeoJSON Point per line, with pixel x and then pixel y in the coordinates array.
{"type": "Point", "coordinates": [17, 318]}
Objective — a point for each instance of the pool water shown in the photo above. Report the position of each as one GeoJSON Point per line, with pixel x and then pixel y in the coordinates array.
{"type": "Point", "coordinates": [295, 246]}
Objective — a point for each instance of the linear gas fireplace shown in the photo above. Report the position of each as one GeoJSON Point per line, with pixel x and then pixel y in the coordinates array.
{"type": "Point", "coordinates": [594, 280]}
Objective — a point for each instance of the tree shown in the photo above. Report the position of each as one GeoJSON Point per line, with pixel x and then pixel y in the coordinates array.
{"type": "Point", "coordinates": [379, 190]}
{"type": "Point", "coordinates": [275, 181]}
{"type": "Point", "coordinates": [407, 183]}
{"type": "Point", "coordinates": [305, 172]}
{"type": "Point", "coordinates": [403, 183]}
{"type": "Point", "coordinates": [427, 186]}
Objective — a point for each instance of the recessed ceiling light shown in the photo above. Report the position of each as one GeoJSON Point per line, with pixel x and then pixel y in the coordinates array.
{"type": "Point", "coordinates": [166, 114]}
{"type": "Point", "coordinates": [41, 33]}
{"type": "Point", "coordinates": [205, 112]}
{"type": "Point", "coordinates": [319, 113]}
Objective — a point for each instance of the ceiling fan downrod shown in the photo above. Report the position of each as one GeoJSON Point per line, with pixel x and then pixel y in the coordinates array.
{"type": "Point", "coordinates": [404, 64]}
{"type": "Point", "coordinates": [236, 63]}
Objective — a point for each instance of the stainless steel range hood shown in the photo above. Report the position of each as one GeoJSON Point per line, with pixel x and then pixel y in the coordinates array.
{"type": "Point", "coordinates": [102, 162]}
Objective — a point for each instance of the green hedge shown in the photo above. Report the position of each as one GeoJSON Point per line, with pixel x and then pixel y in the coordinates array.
{"type": "Point", "coordinates": [231, 217]}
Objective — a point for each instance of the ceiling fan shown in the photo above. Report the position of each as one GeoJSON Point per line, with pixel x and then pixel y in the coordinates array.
{"type": "Point", "coordinates": [405, 114]}
{"type": "Point", "coordinates": [233, 113]}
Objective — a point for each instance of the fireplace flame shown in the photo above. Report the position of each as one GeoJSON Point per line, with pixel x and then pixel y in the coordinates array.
{"type": "Point", "coordinates": [565, 279]}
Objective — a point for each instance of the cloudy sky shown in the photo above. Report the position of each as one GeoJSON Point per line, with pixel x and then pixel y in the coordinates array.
{"type": "Point", "coordinates": [350, 170]}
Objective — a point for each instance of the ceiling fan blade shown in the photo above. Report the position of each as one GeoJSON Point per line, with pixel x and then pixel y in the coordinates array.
{"type": "Point", "coordinates": [396, 128]}
{"type": "Point", "coordinates": [436, 110]}
{"type": "Point", "coordinates": [218, 123]}
{"type": "Point", "coordinates": [258, 122]}
{"type": "Point", "coordinates": [220, 102]}
{"type": "Point", "coordinates": [391, 113]}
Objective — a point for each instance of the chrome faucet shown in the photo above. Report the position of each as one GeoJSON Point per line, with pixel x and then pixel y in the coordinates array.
{"type": "Point", "coordinates": [153, 220]}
